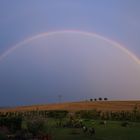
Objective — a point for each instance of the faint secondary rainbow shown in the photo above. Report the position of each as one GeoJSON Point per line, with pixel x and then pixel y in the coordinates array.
{"type": "Point", "coordinates": [114, 44]}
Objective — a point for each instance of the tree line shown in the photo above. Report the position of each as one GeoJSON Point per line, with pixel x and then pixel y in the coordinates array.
{"type": "Point", "coordinates": [98, 99]}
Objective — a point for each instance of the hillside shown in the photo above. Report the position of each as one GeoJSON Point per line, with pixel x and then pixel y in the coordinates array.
{"type": "Point", "coordinates": [85, 105]}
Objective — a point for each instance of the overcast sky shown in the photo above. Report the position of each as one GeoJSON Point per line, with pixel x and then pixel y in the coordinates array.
{"type": "Point", "coordinates": [118, 20]}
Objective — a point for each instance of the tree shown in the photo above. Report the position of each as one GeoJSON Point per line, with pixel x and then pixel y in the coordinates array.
{"type": "Point", "coordinates": [95, 99]}
{"type": "Point", "coordinates": [100, 99]}
{"type": "Point", "coordinates": [105, 99]}
{"type": "Point", "coordinates": [91, 99]}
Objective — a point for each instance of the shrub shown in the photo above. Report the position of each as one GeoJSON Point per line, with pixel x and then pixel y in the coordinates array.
{"type": "Point", "coordinates": [58, 114]}
{"type": "Point", "coordinates": [124, 124]}
{"type": "Point", "coordinates": [88, 114]}
{"type": "Point", "coordinates": [3, 136]}
{"type": "Point", "coordinates": [36, 126]}
{"type": "Point", "coordinates": [12, 123]}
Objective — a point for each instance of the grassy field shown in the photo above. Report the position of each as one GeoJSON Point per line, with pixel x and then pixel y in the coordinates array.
{"type": "Point", "coordinates": [85, 105]}
{"type": "Point", "coordinates": [112, 131]}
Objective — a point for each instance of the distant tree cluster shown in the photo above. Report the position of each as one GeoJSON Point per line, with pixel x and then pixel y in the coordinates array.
{"type": "Point", "coordinates": [99, 99]}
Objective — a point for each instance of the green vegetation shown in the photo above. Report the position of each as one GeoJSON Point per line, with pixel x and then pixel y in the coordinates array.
{"type": "Point", "coordinates": [113, 131]}
{"type": "Point", "coordinates": [62, 125]}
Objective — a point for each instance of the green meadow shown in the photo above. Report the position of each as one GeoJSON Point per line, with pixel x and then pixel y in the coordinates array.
{"type": "Point", "coordinates": [112, 131]}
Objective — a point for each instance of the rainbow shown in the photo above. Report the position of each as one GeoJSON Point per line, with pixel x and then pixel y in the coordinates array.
{"type": "Point", "coordinates": [114, 44]}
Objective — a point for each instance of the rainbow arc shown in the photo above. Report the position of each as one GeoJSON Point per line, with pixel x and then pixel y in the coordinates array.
{"type": "Point", "coordinates": [45, 34]}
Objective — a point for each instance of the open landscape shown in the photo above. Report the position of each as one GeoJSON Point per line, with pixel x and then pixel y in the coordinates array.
{"type": "Point", "coordinates": [86, 120]}
{"type": "Point", "coordinates": [83, 105]}
{"type": "Point", "coordinates": [70, 70]}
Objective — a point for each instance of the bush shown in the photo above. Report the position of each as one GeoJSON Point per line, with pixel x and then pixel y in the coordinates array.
{"type": "Point", "coordinates": [125, 124]}
{"type": "Point", "coordinates": [58, 114]}
{"type": "Point", "coordinates": [88, 114]}
{"type": "Point", "coordinates": [3, 136]}
{"type": "Point", "coordinates": [12, 123]}
{"type": "Point", "coordinates": [36, 126]}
